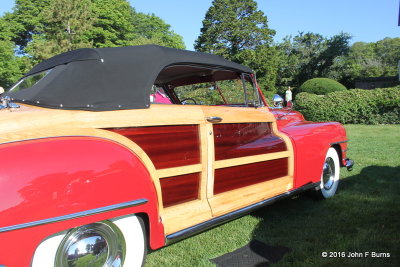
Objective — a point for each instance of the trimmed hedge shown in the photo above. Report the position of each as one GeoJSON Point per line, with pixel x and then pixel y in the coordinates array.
{"type": "Point", "coordinates": [321, 86]}
{"type": "Point", "coordinates": [356, 106]}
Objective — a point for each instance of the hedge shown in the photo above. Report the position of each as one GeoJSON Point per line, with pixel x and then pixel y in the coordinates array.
{"type": "Point", "coordinates": [356, 106]}
{"type": "Point", "coordinates": [321, 86]}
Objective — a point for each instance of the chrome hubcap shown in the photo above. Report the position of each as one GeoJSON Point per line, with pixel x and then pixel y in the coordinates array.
{"type": "Point", "coordinates": [97, 245]}
{"type": "Point", "coordinates": [328, 177]}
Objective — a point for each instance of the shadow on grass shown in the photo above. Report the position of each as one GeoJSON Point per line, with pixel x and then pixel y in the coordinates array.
{"type": "Point", "coordinates": [362, 217]}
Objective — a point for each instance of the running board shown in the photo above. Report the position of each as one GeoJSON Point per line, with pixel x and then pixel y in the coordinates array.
{"type": "Point", "coordinates": [198, 228]}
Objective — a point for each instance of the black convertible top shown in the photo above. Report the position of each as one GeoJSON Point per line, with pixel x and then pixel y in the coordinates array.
{"type": "Point", "coordinates": [109, 78]}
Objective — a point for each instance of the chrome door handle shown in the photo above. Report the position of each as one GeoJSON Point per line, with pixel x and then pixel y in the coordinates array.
{"type": "Point", "coordinates": [214, 119]}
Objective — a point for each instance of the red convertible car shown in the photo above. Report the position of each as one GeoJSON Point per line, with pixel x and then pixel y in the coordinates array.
{"type": "Point", "coordinates": [107, 151]}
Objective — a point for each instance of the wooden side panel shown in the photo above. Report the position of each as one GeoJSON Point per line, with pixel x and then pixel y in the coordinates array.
{"type": "Point", "coordinates": [179, 189]}
{"type": "Point", "coordinates": [231, 178]}
{"type": "Point", "coordinates": [234, 140]}
{"type": "Point", "coordinates": [167, 146]}
{"type": "Point", "coordinates": [242, 197]}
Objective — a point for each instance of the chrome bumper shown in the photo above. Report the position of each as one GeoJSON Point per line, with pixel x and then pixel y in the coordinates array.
{"type": "Point", "coordinates": [349, 164]}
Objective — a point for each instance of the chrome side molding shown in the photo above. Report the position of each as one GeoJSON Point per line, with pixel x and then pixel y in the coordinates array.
{"type": "Point", "coordinates": [76, 215]}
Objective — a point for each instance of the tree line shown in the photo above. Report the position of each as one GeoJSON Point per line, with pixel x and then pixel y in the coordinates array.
{"type": "Point", "coordinates": [235, 29]}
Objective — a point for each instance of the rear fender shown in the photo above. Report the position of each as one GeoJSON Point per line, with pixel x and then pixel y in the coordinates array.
{"type": "Point", "coordinates": [43, 182]}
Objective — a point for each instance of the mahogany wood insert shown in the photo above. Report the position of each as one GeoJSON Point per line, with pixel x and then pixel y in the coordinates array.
{"type": "Point", "coordinates": [231, 178]}
{"type": "Point", "coordinates": [180, 189]}
{"type": "Point", "coordinates": [233, 140]}
{"type": "Point", "coordinates": [167, 146]}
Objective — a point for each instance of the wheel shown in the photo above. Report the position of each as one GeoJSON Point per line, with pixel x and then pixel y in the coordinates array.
{"type": "Point", "coordinates": [115, 243]}
{"type": "Point", "coordinates": [330, 175]}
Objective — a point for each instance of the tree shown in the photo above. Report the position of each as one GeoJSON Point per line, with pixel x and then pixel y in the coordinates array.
{"type": "Point", "coordinates": [11, 66]}
{"type": "Point", "coordinates": [236, 30]}
{"type": "Point", "coordinates": [233, 26]}
{"type": "Point", "coordinates": [370, 60]}
{"type": "Point", "coordinates": [113, 23]}
{"type": "Point", "coordinates": [310, 55]}
{"type": "Point", "coordinates": [25, 19]}
{"type": "Point", "coordinates": [39, 29]}
{"type": "Point", "coordinates": [388, 53]}
{"type": "Point", "coordinates": [63, 28]}
{"type": "Point", "coordinates": [149, 28]}
{"type": "Point", "coordinates": [99, 23]}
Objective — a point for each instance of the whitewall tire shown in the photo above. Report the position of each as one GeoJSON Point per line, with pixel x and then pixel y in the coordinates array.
{"type": "Point", "coordinates": [330, 175]}
{"type": "Point", "coordinates": [117, 242]}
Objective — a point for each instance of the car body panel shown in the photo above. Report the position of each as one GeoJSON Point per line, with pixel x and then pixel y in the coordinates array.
{"type": "Point", "coordinates": [311, 141]}
{"type": "Point", "coordinates": [55, 183]}
{"type": "Point", "coordinates": [180, 166]}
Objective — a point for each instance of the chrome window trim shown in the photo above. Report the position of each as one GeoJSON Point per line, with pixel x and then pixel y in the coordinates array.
{"type": "Point", "coordinates": [75, 215]}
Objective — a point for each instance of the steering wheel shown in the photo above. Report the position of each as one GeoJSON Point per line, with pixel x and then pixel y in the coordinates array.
{"type": "Point", "coordinates": [183, 101]}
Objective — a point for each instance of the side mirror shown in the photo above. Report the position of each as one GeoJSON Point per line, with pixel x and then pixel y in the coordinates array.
{"type": "Point", "coordinates": [278, 101]}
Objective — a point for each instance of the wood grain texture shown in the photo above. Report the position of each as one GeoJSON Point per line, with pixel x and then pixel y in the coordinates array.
{"type": "Point", "coordinates": [181, 216]}
{"type": "Point", "coordinates": [245, 196]}
{"type": "Point", "coordinates": [231, 178]}
{"type": "Point", "coordinates": [179, 189]}
{"type": "Point", "coordinates": [33, 122]}
{"type": "Point", "coordinates": [234, 140]}
{"type": "Point", "coordinates": [167, 146]}
{"type": "Point", "coordinates": [250, 159]}
{"type": "Point", "coordinates": [163, 173]}
{"type": "Point", "coordinates": [239, 114]}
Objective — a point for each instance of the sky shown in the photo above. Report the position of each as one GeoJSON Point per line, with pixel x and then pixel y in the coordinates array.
{"type": "Point", "coordinates": [364, 20]}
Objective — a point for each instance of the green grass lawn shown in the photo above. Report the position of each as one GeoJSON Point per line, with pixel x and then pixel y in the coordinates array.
{"type": "Point", "coordinates": [364, 216]}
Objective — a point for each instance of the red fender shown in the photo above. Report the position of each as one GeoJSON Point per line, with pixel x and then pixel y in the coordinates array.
{"type": "Point", "coordinates": [47, 178]}
{"type": "Point", "coordinates": [311, 141]}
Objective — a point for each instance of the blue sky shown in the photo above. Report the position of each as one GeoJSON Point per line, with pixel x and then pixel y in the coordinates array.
{"type": "Point", "coordinates": [365, 20]}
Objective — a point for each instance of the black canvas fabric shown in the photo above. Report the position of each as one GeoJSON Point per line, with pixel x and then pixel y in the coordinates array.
{"type": "Point", "coordinates": [109, 78]}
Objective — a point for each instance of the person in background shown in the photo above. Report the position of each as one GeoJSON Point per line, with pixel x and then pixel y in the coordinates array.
{"type": "Point", "coordinates": [288, 97]}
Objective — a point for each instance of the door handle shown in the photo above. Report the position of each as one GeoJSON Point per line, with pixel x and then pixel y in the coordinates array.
{"type": "Point", "coordinates": [214, 119]}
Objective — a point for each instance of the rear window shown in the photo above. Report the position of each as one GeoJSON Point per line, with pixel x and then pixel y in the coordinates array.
{"type": "Point", "coordinates": [29, 81]}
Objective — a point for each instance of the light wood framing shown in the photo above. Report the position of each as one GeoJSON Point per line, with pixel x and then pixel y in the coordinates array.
{"type": "Point", "coordinates": [33, 122]}
{"type": "Point", "coordinates": [242, 197]}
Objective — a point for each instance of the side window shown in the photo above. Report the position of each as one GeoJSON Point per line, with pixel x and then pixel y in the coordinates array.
{"type": "Point", "coordinates": [199, 94]}
{"type": "Point", "coordinates": [252, 96]}
{"type": "Point", "coordinates": [232, 90]}
{"type": "Point", "coordinates": [205, 85]}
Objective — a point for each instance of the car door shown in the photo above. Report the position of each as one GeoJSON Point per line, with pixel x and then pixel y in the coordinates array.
{"type": "Point", "coordinates": [249, 160]}
{"type": "Point", "coordinates": [173, 138]}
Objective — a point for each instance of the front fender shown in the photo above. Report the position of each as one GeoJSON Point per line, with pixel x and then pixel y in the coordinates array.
{"type": "Point", "coordinates": [311, 141]}
{"type": "Point", "coordinates": [52, 178]}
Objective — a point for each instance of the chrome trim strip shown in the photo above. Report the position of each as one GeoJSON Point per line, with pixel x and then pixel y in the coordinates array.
{"type": "Point", "coordinates": [55, 136]}
{"type": "Point", "coordinates": [76, 215]}
{"type": "Point", "coordinates": [172, 238]}
{"type": "Point", "coordinates": [335, 143]}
